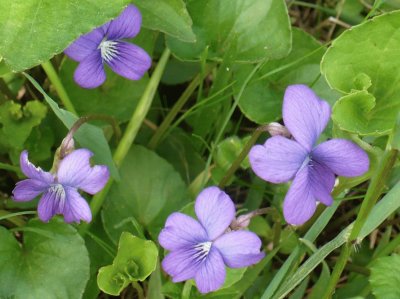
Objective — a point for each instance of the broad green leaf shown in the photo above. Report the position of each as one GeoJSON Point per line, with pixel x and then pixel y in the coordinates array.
{"type": "Point", "coordinates": [149, 190]}
{"type": "Point", "coordinates": [136, 260]}
{"type": "Point", "coordinates": [88, 136]}
{"type": "Point", "coordinates": [256, 30]}
{"type": "Point", "coordinates": [40, 142]}
{"type": "Point", "coordinates": [384, 278]}
{"type": "Point", "coordinates": [366, 55]}
{"type": "Point", "coordinates": [354, 110]}
{"type": "Point", "coordinates": [101, 253]}
{"type": "Point", "coordinates": [34, 31]}
{"type": "Point", "coordinates": [168, 16]}
{"type": "Point", "coordinates": [178, 72]}
{"type": "Point", "coordinates": [261, 101]}
{"type": "Point", "coordinates": [52, 262]}
{"type": "Point", "coordinates": [17, 123]}
{"type": "Point", "coordinates": [179, 151]}
{"type": "Point", "coordinates": [4, 69]}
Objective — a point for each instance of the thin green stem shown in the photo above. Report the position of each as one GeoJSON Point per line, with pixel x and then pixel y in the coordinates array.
{"type": "Point", "coordinates": [131, 131]}
{"type": "Point", "coordinates": [138, 289]}
{"type": "Point", "coordinates": [9, 215]}
{"type": "Point", "coordinates": [236, 164]}
{"type": "Point", "coordinates": [55, 80]}
{"type": "Point", "coordinates": [75, 127]}
{"type": "Point", "coordinates": [9, 167]}
{"type": "Point", "coordinates": [187, 288]}
{"type": "Point", "coordinates": [373, 193]}
{"type": "Point", "coordinates": [337, 270]}
{"type": "Point", "coordinates": [230, 113]}
{"type": "Point", "coordinates": [160, 133]}
{"type": "Point", "coordinates": [375, 189]}
{"type": "Point", "coordinates": [141, 110]}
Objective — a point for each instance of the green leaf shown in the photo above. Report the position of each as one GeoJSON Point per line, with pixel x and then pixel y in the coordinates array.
{"type": "Point", "coordinates": [261, 101]}
{"type": "Point", "coordinates": [4, 69]}
{"type": "Point", "coordinates": [354, 112]}
{"type": "Point", "coordinates": [168, 16]}
{"type": "Point", "coordinates": [17, 123]}
{"type": "Point", "coordinates": [34, 31]}
{"type": "Point", "coordinates": [51, 264]}
{"type": "Point", "coordinates": [179, 151]}
{"type": "Point", "coordinates": [381, 211]}
{"type": "Point", "coordinates": [385, 282]}
{"type": "Point", "coordinates": [136, 260]}
{"type": "Point", "coordinates": [257, 30]}
{"type": "Point", "coordinates": [88, 136]}
{"type": "Point", "coordinates": [365, 58]}
{"type": "Point", "coordinates": [149, 190]}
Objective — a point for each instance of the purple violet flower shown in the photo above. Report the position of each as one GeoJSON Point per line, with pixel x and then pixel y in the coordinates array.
{"type": "Point", "coordinates": [200, 250]}
{"type": "Point", "coordinates": [311, 167]}
{"type": "Point", "coordinates": [60, 190]}
{"type": "Point", "coordinates": [105, 45]}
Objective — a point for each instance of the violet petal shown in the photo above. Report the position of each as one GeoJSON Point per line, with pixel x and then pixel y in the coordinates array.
{"type": "Point", "coordinates": [75, 171]}
{"type": "Point", "coordinates": [239, 248]}
{"type": "Point", "coordinates": [343, 157]}
{"type": "Point", "coordinates": [304, 114]}
{"type": "Point", "coordinates": [76, 207]}
{"type": "Point", "coordinates": [215, 210]}
{"type": "Point", "coordinates": [181, 264]}
{"type": "Point", "coordinates": [85, 45]}
{"type": "Point", "coordinates": [28, 189]}
{"type": "Point", "coordinates": [211, 275]}
{"type": "Point", "coordinates": [131, 61]}
{"type": "Point", "coordinates": [278, 160]}
{"type": "Point", "coordinates": [322, 180]}
{"type": "Point", "coordinates": [90, 71]}
{"type": "Point", "coordinates": [181, 231]}
{"type": "Point", "coordinates": [33, 172]}
{"type": "Point", "coordinates": [47, 206]}
{"type": "Point", "coordinates": [299, 204]}
{"type": "Point", "coordinates": [126, 25]}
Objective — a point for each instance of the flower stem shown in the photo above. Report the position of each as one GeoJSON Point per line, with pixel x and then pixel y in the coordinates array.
{"type": "Point", "coordinates": [235, 165]}
{"type": "Point", "coordinates": [138, 289]}
{"type": "Point", "coordinates": [187, 287]}
{"type": "Point", "coordinates": [55, 80]}
{"type": "Point", "coordinates": [75, 127]}
{"type": "Point", "coordinates": [9, 167]}
{"type": "Point", "coordinates": [129, 135]}
{"type": "Point", "coordinates": [159, 134]}
{"type": "Point", "coordinates": [374, 191]}
{"type": "Point", "coordinates": [141, 110]}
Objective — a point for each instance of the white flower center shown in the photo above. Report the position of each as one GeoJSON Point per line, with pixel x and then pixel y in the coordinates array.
{"type": "Point", "coordinates": [59, 194]}
{"type": "Point", "coordinates": [108, 49]}
{"type": "Point", "coordinates": [202, 250]}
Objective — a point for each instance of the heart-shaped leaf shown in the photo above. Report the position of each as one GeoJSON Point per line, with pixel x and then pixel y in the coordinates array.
{"type": "Point", "coordinates": [256, 29]}
{"type": "Point", "coordinates": [136, 260]}
{"type": "Point", "coordinates": [52, 262]}
{"type": "Point", "coordinates": [365, 57]}
{"type": "Point", "coordinates": [33, 31]}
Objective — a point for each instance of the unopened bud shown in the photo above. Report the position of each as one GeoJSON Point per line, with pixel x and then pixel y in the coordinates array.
{"type": "Point", "coordinates": [275, 129]}
{"type": "Point", "coordinates": [67, 146]}
{"type": "Point", "coordinates": [241, 222]}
